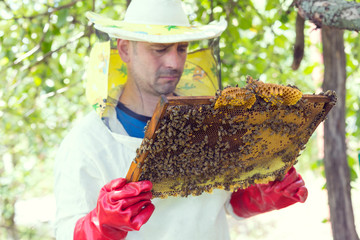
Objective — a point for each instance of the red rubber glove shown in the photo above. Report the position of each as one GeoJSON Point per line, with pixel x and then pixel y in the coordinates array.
{"type": "Point", "coordinates": [275, 195]}
{"type": "Point", "coordinates": [121, 207]}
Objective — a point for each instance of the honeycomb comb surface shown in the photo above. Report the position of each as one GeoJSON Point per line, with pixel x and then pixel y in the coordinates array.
{"type": "Point", "coordinates": [198, 146]}
{"type": "Point", "coordinates": [274, 93]}
{"type": "Point", "coordinates": [236, 97]}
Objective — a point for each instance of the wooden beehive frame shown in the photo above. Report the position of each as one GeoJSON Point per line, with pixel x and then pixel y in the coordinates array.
{"type": "Point", "coordinates": [162, 110]}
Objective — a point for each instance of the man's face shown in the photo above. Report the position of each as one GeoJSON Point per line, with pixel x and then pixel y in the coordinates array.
{"type": "Point", "coordinates": [156, 68]}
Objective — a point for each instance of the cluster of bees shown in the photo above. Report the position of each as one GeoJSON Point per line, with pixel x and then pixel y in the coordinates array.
{"type": "Point", "coordinates": [227, 143]}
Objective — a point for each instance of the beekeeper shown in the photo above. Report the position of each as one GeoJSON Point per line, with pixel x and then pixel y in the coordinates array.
{"type": "Point", "coordinates": [93, 199]}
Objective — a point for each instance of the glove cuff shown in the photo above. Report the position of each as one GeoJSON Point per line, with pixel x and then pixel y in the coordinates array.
{"type": "Point", "coordinates": [88, 228]}
{"type": "Point", "coordinates": [248, 202]}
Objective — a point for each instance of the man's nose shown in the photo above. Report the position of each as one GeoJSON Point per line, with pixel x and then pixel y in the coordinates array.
{"type": "Point", "coordinates": [174, 59]}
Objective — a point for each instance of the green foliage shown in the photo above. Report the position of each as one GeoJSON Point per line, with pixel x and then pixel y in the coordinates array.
{"type": "Point", "coordinates": [42, 58]}
{"type": "Point", "coordinates": [352, 50]}
{"type": "Point", "coordinates": [43, 53]}
{"type": "Point", "coordinates": [257, 42]}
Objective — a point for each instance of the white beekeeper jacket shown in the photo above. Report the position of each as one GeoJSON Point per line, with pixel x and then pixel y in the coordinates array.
{"type": "Point", "coordinates": [97, 151]}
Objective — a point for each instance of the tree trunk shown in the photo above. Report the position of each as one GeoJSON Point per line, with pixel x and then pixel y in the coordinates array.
{"type": "Point", "coordinates": [336, 165]}
{"type": "Point", "coordinates": [339, 14]}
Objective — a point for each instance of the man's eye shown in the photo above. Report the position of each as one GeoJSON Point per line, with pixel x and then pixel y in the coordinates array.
{"type": "Point", "coordinates": [184, 49]}
{"type": "Point", "coordinates": [160, 50]}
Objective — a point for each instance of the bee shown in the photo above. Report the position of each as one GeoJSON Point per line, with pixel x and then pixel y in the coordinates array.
{"type": "Point", "coordinates": [139, 165]}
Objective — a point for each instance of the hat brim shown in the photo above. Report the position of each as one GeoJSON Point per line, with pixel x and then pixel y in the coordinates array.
{"type": "Point", "coordinates": [156, 33]}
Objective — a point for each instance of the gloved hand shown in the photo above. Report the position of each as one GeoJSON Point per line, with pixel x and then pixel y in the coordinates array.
{"type": "Point", "coordinates": [121, 207]}
{"type": "Point", "coordinates": [261, 198]}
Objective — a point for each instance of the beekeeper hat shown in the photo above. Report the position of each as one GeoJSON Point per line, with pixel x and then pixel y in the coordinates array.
{"type": "Point", "coordinates": [159, 21]}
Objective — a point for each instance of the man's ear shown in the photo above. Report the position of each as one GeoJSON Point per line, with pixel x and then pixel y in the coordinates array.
{"type": "Point", "coordinates": [123, 47]}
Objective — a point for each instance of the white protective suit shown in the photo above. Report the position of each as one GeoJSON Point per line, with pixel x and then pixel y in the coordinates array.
{"type": "Point", "coordinates": [97, 151]}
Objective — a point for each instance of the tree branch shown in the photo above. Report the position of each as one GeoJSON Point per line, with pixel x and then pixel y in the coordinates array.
{"type": "Point", "coordinates": [339, 14]}
{"type": "Point", "coordinates": [50, 11]}
{"type": "Point", "coordinates": [36, 48]}
{"type": "Point", "coordinates": [299, 42]}
{"type": "Point", "coordinates": [7, 5]}
{"type": "Point", "coordinates": [48, 54]}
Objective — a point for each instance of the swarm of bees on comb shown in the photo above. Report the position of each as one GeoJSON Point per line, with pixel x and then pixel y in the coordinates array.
{"type": "Point", "coordinates": [239, 137]}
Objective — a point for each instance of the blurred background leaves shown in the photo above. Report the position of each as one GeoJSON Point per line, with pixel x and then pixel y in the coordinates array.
{"type": "Point", "coordinates": [44, 48]}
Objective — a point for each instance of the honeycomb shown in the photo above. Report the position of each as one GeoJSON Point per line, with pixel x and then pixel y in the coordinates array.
{"type": "Point", "coordinates": [195, 144]}
{"type": "Point", "coordinates": [246, 97]}
{"type": "Point", "coordinates": [236, 97]}
{"type": "Point", "coordinates": [274, 93]}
